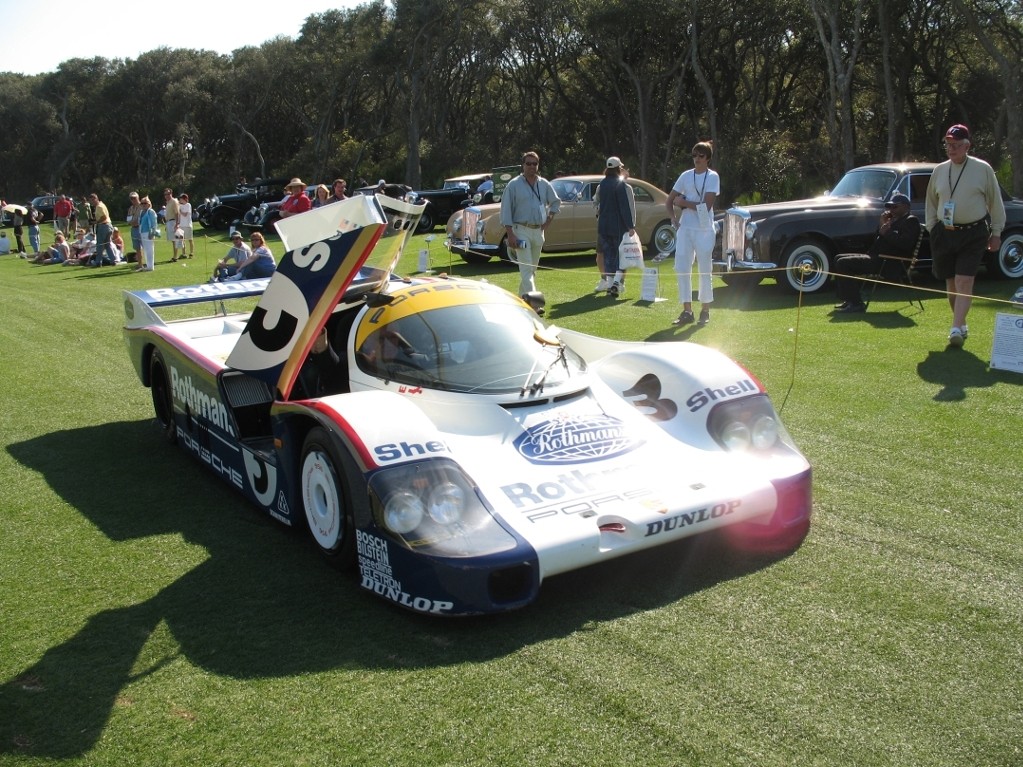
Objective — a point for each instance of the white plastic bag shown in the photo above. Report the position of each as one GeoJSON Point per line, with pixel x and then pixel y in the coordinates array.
{"type": "Point", "coordinates": [630, 252]}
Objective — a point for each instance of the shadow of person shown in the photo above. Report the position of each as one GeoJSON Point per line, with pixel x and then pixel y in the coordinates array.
{"type": "Point", "coordinates": [958, 370]}
{"type": "Point", "coordinates": [258, 605]}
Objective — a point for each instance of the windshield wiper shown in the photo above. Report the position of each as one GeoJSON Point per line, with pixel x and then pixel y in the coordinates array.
{"type": "Point", "coordinates": [538, 386]}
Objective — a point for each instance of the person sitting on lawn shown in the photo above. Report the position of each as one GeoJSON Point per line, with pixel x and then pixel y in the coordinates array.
{"type": "Point", "coordinates": [58, 253]}
{"type": "Point", "coordinates": [260, 264]}
{"type": "Point", "coordinates": [229, 264]}
{"type": "Point", "coordinates": [82, 248]}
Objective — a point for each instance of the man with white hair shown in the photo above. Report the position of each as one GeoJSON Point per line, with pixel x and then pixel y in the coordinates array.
{"type": "Point", "coordinates": [964, 218]}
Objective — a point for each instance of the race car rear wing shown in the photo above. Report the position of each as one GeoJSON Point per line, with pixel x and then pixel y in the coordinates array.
{"type": "Point", "coordinates": [140, 306]}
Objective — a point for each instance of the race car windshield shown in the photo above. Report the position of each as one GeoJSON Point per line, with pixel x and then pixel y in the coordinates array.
{"type": "Point", "coordinates": [472, 348]}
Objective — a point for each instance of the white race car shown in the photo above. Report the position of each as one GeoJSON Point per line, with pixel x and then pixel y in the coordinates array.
{"type": "Point", "coordinates": [436, 434]}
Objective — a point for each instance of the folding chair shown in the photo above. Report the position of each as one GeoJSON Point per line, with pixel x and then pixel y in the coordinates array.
{"type": "Point", "coordinates": [905, 268]}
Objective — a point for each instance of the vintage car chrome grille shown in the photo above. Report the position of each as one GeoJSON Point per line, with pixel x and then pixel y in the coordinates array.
{"type": "Point", "coordinates": [733, 237]}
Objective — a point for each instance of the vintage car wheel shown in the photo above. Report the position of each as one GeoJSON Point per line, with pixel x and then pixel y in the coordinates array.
{"type": "Point", "coordinates": [807, 267]}
{"type": "Point", "coordinates": [663, 238]}
{"type": "Point", "coordinates": [163, 404]}
{"type": "Point", "coordinates": [426, 222]}
{"type": "Point", "coordinates": [1008, 264]}
{"type": "Point", "coordinates": [328, 486]}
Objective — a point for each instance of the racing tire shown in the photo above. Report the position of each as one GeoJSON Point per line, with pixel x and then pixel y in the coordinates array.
{"type": "Point", "coordinates": [663, 238]}
{"type": "Point", "coordinates": [329, 486]}
{"type": "Point", "coordinates": [163, 401]}
{"type": "Point", "coordinates": [807, 267]}
{"type": "Point", "coordinates": [1007, 264]}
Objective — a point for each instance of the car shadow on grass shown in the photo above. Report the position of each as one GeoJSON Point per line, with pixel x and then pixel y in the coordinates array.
{"type": "Point", "coordinates": [262, 604]}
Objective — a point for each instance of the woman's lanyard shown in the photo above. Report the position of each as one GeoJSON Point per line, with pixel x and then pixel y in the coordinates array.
{"type": "Point", "coordinates": [701, 191]}
{"type": "Point", "coordinates": [958, 178]}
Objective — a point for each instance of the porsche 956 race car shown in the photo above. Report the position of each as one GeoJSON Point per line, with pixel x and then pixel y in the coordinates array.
{"type": "Point", "coordinates": [436, 435]}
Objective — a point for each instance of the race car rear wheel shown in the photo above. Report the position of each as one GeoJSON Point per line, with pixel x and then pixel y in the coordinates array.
{"type": "Point", "coordinates": [163, 404]}
{"type": "Point", "coordinates": [329, 485]}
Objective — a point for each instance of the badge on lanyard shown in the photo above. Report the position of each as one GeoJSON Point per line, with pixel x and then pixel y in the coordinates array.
{"type": "Point", "coordinates": [948, 215]}
{"type": "Point", "coordinates": [703, 215]}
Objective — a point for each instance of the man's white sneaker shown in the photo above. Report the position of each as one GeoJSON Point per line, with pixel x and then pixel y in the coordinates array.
{"type": "Point", "coordinates": [955, 337]}
{"type": "Point", "coordinates": [966, 331]}
{"type": "Point", "coordinates": [603, 285]}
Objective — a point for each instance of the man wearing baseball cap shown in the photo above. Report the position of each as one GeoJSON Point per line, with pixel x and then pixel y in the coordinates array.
{"type": "Point", "coordinates": [896, 236]}
{"type": "Point", "coordinates": [965, 218]}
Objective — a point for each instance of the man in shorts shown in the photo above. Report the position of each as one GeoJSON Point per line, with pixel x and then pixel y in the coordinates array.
{"type": "Point", "coordinates": [964, 217]}
{"type": "Point", "coordinates": [171, 217]}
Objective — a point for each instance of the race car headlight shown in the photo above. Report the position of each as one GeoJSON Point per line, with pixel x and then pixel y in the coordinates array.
{"type": "Point", "coordinates": [749, 424]}
{"type": "Point", "coordinates": [445, 503]}
{"type": "Point", "coordinates": [403, 512]}
{"type": "Point", "coordinates": [432, 507]}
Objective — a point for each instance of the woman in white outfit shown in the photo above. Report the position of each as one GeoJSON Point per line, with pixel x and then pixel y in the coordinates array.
{"type": "Point", "coordinates": [691, 205]}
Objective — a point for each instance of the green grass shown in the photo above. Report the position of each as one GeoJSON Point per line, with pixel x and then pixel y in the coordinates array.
{"type": "Point", "coordinates": [149, 616]}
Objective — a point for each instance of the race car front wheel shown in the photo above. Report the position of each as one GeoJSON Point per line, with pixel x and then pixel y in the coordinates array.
{"type": "Point", "coordinates": [163, 405]}
{"type": "Point", "coordinates": [328, 485]}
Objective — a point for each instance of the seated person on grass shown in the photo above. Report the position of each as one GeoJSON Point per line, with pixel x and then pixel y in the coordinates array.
{"type": "Point", "coordinates": [260, 264]}
{"type": "Point", "coordinates": [229, 264]}
{"type": "Point", "coordinates": [57, 253]}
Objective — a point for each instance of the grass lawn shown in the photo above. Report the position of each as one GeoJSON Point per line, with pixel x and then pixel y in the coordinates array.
{"type": "Point", "coordinates": [149, 616]}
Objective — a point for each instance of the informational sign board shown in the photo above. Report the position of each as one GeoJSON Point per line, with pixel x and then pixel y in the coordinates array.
{"type": "Point", "coordinates": [1007, 347]}
{"type": "Point", "coordinates": [501, 177]}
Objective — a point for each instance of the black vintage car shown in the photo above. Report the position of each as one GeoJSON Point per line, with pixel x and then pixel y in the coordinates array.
{"type": "Point", "coordinates": [260, 218]}
{"type": "Point", "coordinates": [223, 211]}
{"type": "Point", "coordinates": [796, 242]}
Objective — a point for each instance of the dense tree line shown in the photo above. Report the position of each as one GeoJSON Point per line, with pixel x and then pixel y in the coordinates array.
{"type": "Point", "coordinates": [792, 94]}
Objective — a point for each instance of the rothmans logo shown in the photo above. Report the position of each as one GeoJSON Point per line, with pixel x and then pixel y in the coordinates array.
{"type": "Point", "coordinates": [575, 440]}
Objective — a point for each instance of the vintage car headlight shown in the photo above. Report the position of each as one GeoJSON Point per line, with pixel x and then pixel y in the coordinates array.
{"type": "Point", "coordinates": [748, 425]}
{"type": "Point", "coordinates": [456, 225]}
{"type": "Point", "coordinates": [433, 507]}
{"type": "Point", "coordinates": [751, 230]}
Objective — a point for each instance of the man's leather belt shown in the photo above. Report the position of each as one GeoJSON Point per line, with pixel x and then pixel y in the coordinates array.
{"type": "Point", "coordinates": [972, 224]}
{"type": "Point", "coordinates": [529, 226]}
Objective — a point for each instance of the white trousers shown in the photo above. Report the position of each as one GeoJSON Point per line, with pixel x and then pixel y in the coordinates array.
{"type": "Point", "coordinates": [694, 245]}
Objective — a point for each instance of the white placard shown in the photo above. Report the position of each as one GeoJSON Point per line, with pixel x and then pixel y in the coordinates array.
{"type": "Point", "coordinates": [1007, 347]}
{"type": "Point", "coordinates": [649, 289]}
{"type": "Point", "coordinates": [424, 260]}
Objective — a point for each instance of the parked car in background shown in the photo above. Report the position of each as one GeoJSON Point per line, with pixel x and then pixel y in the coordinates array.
{"type": "Point", "coordinates": [223, 211]}
{"type": "Point", "coordinates": [796, 242]}
{"type": "Point", "coordinates": [475, 233]}
{"type": "Point", "coordinates": [260, 218]}
{"type": "Point", "coordinates": [457, 192]}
